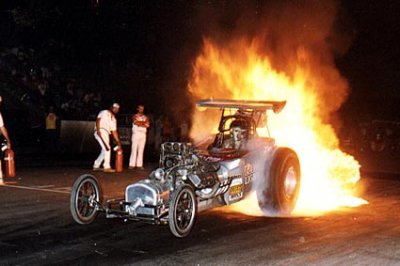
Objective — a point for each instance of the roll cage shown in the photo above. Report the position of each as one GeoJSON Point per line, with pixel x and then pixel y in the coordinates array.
{"type": "Point", "coordinates": [249, 114]}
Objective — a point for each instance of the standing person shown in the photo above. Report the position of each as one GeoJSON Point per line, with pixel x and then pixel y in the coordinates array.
{"type": "Point", "coordinates": [166, 130]}
{"type": "Point", "coordinates": [51, 130]}
{"type": "Point", "coordinates": [106, 125]}
{"type": "Point", "coordinates": [184, 132]}
{"type": "Point", "coordinates": [158, 134]}
{"type": "Point", "coordinates": [140, 123]}
{"type": "Point", "coordinates": [4, 133]}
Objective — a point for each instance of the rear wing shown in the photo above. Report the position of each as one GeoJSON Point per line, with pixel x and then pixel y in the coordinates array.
{"type": "Point", "coordinates": [276, 106]}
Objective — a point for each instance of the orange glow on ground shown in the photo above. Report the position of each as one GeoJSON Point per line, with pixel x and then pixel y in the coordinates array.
{"type": "Point", "coordinates": [239, 71]}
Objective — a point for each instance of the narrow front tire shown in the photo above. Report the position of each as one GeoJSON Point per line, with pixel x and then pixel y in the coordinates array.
{"type": "Point", "coordinates": [85, 197]}
{"type": "Point", "coordinates": [182, 211]}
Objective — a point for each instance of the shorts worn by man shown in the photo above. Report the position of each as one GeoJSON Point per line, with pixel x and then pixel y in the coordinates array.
{"type": "Point", "coordinates": [140, 123]}
{"type": "Point", "coordinates": [4, 133]}
{"type": "Point", "coordinates": [106, 125]}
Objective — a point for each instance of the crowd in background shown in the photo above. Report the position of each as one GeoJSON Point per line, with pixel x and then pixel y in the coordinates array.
{"type": "Point", "coordinates": [36, 84]}
{"type": "Point", "coordinates": [32, 85]}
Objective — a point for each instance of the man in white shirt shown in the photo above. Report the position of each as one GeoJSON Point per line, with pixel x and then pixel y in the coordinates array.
{"type": "Point", "coordinates": [140, 123]}
{"type": "Point", "coordinates": [106, 125]}
{"type": "Point", "coordinates": [4, 133]}
{"type": "Point", "coordinates": [3, 129]}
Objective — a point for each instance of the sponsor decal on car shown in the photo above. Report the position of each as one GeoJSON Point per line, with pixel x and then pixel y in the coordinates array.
{"type": "Point", "coordinates": [248, 173]}
{"type": "Point", "coordinates": [236, 189]}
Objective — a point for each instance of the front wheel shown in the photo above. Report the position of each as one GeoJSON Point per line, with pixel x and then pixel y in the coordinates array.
{"type": "Point", "coordinates": [85, 197]}
{"type": "Point", "coordinates": [281, 187]}
{"type": "Point", "coordinates": [182, 211]}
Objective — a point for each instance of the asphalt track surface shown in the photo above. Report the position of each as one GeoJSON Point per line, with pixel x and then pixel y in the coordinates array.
{"type": "Point", "coordinates": [36, 228]}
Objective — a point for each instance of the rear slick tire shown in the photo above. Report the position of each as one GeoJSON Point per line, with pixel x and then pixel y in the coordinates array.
{"type": "Point", "coordinates": [182, 211]}
{"type": "Point", "coordinates": [85, 196]}
{"type": "Point", "coordinates": [281, 187]}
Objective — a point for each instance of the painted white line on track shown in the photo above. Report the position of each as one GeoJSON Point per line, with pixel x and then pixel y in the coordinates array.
{"type": "Point", "coordinates": [47, 186]}
{"type": "Point", "coordinates": [63, 188]}
{"type": "Point", "coordinates": [35, 188]}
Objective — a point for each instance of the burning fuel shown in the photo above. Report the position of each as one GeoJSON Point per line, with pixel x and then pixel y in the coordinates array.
{"type": "Point", "coordinates": [296, 66]}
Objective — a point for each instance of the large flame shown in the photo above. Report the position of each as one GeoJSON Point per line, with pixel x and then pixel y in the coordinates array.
{"type": "Point", "coordinates": [239, 71]}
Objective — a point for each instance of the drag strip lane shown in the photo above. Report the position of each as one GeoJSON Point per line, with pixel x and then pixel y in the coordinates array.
{"type": "Point", "coordinates": [63, 190]}
{"type": "Point", "coordinates": [46, 188]}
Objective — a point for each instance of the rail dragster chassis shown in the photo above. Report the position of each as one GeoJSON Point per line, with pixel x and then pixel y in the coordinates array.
{"type": "Point", "coordinates": [190, 180]}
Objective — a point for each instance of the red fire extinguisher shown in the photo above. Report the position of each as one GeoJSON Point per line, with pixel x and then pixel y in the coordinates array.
{"type": "Point", "coordinates": [9, 162]}
{"type": "Point", "coordinates": [119, 161]}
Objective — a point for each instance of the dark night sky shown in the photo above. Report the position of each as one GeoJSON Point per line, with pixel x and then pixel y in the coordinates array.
{"type": "Point", "coordinates": [372, 63]}
{"type": "Point", "coordinates": [157, 40]}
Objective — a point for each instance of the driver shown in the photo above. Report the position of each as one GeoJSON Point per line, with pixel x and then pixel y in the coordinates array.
{"type": "Point", "coordinates": [236, 140]}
